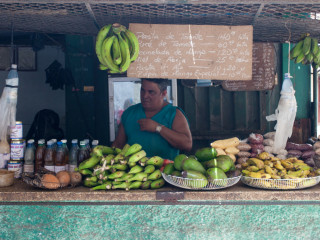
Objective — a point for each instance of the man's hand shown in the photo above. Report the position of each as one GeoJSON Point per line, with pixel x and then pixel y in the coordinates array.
{"type": "Point", "coordinates": [148, 125]}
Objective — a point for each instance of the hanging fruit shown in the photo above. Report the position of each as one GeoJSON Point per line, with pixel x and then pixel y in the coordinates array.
{"type": "Point", "coordinates": [116, 47]}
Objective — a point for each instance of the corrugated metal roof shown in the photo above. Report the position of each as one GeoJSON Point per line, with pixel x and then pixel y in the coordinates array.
{"type": "Point", "coordinates": [275, 21]}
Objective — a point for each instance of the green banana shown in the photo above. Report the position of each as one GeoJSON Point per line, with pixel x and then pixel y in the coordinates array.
{"type": "Point", "coordinates": [125, 54]}
{"type": "Point", "coordinates": [146, 185]}
{"type": "Point", "coordinates": [309, 57]}
{"type": "Point", "coordinates": [102, 34]}
{"type": "Point", "coordinates": [143, 161]}
{"type": "Point", "coordinates": [106, 54]}
{"type": "Point", "coordinates": [125, 149]}
{"type": "Point", "coordinates": [134, 185]}
{"type": "Point", "coordinates": [141, 176]}
{"type": "Point", "coordinates": [136, 169]}
{"type": "Point", "coordinates": [156, 161]}
{"type": "Point", "coordinates": [300, 58]}
{"type": "Point", "coordinates": [117, 158]}
{"type": "Point", "coordinates": [124, 36]}
{"type": "Point", "coordinates": [296, 50]}
{"type": "Point", "coordinates": [107, 160]}
{"type": "Point", "coordinates": [119, 166]}
{"type": "Point", "coordinates": [155, 175]}
{"type": "Point", "coordinates": [102, 67]}
{"type": "Point", "coordinates": [306, 45]}
{"type": "Point", "coordinates": [116, 53]}
{"type": "Point", "coordinates": [89, 163]}
{"type": "Point", "coordinates": [149, 169]}
{"type": "Point", "coordinates": [134, 43]}
{"type": "Point", "coordinates": [133, 149]}
{"type": "Point", "coordinates": [122, 185]}
{"type": "Point", "coordinates": [104, 186]}
{"type": "Point", "coordinates": [86, 171]}
{"type": "Point", "coordinates": [314, 46]}
{"type": "Point", "coordinates": [157, 183]}
{"type": "Point", "coordinates": [89, 183]}
{"type": "Point", "coordinates": [132, 164]}
{"type": "Point", "coordinates": [117, 174]}
{"type": "Point", "coordinates": [92, 179]}
{"type": "Point", "coordinates": [101, 150]}
{"type": "Point", "coordinates": [124, 177]}
{"type": "Point", "coordinates": [137, 156]}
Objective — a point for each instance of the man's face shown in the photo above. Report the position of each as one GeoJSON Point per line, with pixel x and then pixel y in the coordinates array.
{"type": "Point", "coordinates": [150, 95]}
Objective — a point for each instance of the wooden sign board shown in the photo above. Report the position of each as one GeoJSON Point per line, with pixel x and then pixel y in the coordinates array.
{"type": "Point", "coordinates": [193, 52]}
{"type": "Point", "coordinates": [263, 70]}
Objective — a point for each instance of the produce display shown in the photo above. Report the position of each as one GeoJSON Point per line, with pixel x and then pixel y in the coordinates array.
{"type": "Point", "coordinates": [201, 170]}
{"type": "Point", "coordinates": [116, 47]}
{"type": "Point", "coordinates": [306, 51]}
{"type": "Point", "coordinates": [126, 168]}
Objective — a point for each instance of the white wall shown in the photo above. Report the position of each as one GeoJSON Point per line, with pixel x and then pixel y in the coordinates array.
{"type": "Point", "coordinates": [34, 93]}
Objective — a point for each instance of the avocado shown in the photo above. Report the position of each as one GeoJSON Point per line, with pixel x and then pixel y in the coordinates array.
{"type": "Point", "coordinates": [206, 154]}
{"type": "Point", "coordinates": [216, 173]}
{"type": "Point", "coordinates": [177, 162]}
{"type": "Point", "coordinates": [192, 163]}
{"type": "Point", "coordinates": [199, 181]}
{"type": "Point", "coordinates": [225, 163]}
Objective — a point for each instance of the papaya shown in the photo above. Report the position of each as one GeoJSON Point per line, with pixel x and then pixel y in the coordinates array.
{"type": "Point", "coordinates": [216, 173]}
{"type": "Point", "coordinates": [192, 163]}
{"type": "Point", "coordinates": [225, 163]}
{"type": "Point", "coordinates": [177, 162]}
{"type": "Point", "coordinates": [205, 154]}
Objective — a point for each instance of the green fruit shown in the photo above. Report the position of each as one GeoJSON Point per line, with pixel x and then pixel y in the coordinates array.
{"type": "Point", "coordinates": [155, 175]}
{"type": "Point", "coordinates": [216, 173]}
{"type": "Point", "coordinates": [176, 174]}
{"type": "Point", "coordinates": [149, 169]}
{"type": "Point", "coordinates": [225, 163]}
{"type": "Point", "coordinates": [157, 183]}
{"type": "Point", "coordinates": [191, 163]}
{"type": "Point", "coordinates": [156, 161]}
{"type": "Point", "coordinates": [133, 149]}
{"type": "Point", "coordinates": [296, 50]}
{"type": "Point", "coordinates": [205, 154]}
{"type": "Point", "coordinates": [146, 185]}
{"type": "Point", "coordinates": [300, 58]}
{"type": "Point", "coordinates": [195, 179]}
{"type": "Point", "coordinates": [136, 169]}
{"type": "Point", "coordinates": [168, 169]}
{"type": "Point", "coordinates": [177, 162]}
{"type": "Point", "coordinates": [134, 185]}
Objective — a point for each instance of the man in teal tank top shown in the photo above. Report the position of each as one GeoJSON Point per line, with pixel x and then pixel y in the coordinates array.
{"type": "Point", "coordinates": [160, 128]}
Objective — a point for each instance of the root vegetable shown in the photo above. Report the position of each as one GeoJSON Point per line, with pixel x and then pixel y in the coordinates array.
{"type": "Point", "coordinates": [50, 181]}
{"type": "Point", "coordinates": [64, 178]}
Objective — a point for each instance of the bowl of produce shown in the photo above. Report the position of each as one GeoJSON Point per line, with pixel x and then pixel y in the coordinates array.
{"type": "Point", "coordinates": [268, 172]}
{"type": "Point", "coordinates": [49, 180]}
{"type": "Point", "coordinates": [6, 178]}
{"type": "Point", "coordinates": [199, 173]}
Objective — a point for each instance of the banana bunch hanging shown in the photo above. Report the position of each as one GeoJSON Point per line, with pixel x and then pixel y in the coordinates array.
{"type": "Point", "coordinates": [306, 51]}
{"type": "Point", "coordinates": [116, 47]}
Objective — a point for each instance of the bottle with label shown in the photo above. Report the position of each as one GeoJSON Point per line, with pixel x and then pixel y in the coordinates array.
{"type": "Point", "coordinates": [39, 158]}
{"type": "Point", "coordinates": [94, 143]}
{"type": "Point", "coordinates": [59, 160]}
{"type": "Point", "coordinates": [49, 156]}
{"type": "Point", "coordinates": [29, 157]}
{"type": "Point", "coordinates": [82, 152]}
{"type": "Point", "coordinates": [66, 154]}
{"type": "Point", "coordinates": [73, 155]}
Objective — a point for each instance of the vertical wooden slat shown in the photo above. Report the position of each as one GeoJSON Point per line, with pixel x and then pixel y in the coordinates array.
{"type": "Point", "coordinates": [190, 106]}
{"type": "Point", "coordinates": [202, 110]}
{"type": "Point", "coordinates": [215, 108]}
{"type": "Point", "coordinates": [252, 111]}
{"type": "Point", "coordinates": [227, 110]}
{"type": "Point", "coordinates": [240, 110]}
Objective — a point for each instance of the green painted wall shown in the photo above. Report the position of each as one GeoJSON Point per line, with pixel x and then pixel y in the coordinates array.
{"type": "Point", "coordinates": [301, 81]}
{"type": "Point", "coordinates": [160, 222]}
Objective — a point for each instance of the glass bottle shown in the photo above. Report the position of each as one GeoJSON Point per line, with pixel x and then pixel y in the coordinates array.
{"type": "Point", "coordinates": [82, 152]}
{"type": "Point", "coordinates": [66, 154]}
{"type": "Point", "coordinates": [49, 157]}
{"type": "Point", "coordinates": [39, 158]}
{"type": "Point", "coordinates": [73, 155]}
{"type": "Point", "coordinates": [29, 157]}
{"type": "Point", "coordinates": [59, 160]}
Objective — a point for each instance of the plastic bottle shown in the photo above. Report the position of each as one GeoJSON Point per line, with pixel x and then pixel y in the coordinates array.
{"type": "Point", "coordinates": [29, 157]}
{"type": "Point", "coordinates": [87, 142]}
{"type": "Point", "coordinates": [59, 160]}
{"type": "Point", "coordinates": [94, 143]}
{"type": "Point", "coordinates": [82, 152]}
{"type": "Point", "coordinates": [73, 155]}
{"type": "Point", "coordinates": [49, 156]}
{"type": "Point", "coordinates": [39, 158]}
{"type": "Point", "coordinates": [65, 146]}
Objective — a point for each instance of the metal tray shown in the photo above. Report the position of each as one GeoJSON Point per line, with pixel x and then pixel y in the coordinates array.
{"type": "Point", "coordinates": [197, 184]}
{"type": "Point", "coordinates": [281, 184]}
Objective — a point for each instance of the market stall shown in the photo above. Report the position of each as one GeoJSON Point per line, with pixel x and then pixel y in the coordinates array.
{"type": "Point", "coordinates": [235, 182]}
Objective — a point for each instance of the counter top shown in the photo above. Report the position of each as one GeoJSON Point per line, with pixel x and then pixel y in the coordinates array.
{"type": "Point", "coordinates": [21, 192]}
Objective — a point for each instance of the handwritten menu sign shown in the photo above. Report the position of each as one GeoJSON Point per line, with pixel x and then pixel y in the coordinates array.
{"type": "Point", "coordinates": [263, 70]}
{"type": "Point", "coordinates": [193, 52]}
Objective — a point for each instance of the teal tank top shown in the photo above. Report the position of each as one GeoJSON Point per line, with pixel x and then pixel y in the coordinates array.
{"type": "Point", "coordinates": [151, 142]}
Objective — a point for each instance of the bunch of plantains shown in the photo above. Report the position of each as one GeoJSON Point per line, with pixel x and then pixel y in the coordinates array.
{"type": "Point", "coordinates": [126, 168]}
{"type": "Point", "coordinates": [306, 51]}
{"type": "Point", "coordinates": [116, 47]}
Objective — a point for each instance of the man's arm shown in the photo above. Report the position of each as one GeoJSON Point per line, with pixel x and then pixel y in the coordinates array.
{"type": "Point", "coordinates": [121, 138]}
{"type": "Point", "coordinates": [178, 137]}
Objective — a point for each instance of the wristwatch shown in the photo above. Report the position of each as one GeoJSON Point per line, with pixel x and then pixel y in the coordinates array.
{"type": "Point", "coordinates": [158, 128]}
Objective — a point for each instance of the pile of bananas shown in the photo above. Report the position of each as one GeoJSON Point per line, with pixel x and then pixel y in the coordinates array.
{"type": "Point", "coordinates": [126, 168]}
{"type": "Point", "coordinates": [306, 51]}
{"type": "Point", "coordinates": [116, 47]}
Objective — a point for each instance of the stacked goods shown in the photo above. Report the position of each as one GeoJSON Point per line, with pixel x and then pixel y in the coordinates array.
{"type": "Point", "coordinates": [227, 147]}
{"type": "Point", "coordinates": [116, 47]}
{"type": "Point", "coordinates": [126, 168]}
{"type": "Point", "coordinates": [265, 166]}
{"type": "Point", "coordinates": [201, 169]}
{"type": "Point", "coordinates": [256, 143]}
{"type": "Point", "coordinates": [306, 51]}
{"type": "Point", "coordinates": [244, 153]}
{"type": "Point", "coordinates": [303, 151]}
{"type": "Point", "coordinates": [268, 146]}
{"type": "Point", "coordinates": [316, 157]}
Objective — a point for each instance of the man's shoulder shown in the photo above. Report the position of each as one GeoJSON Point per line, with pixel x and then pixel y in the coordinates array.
{"type": "Point", "coordinates": [133, 107]}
